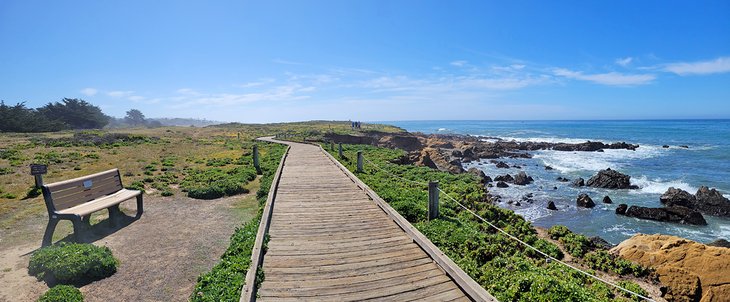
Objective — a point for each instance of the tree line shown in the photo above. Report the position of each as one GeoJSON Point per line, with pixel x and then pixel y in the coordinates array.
{"type": "Point", "coordinates": [64, 115]}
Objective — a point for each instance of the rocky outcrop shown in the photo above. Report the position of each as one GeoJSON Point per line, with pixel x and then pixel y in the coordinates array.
{"type": "Point", "coordinates": [578, 182]}
{"type": "Point", "coordinates": [599, 243]}
{"type": "Point", "coordinates": [706, 200]}
{"type": "Point", "coordinates": [691, 271]}
{"type": "Point", "coordinates": [505, 178]}
{"type": "Point", "coordinates": [711, 202]}
{"type": "Point", "coordinates": [585, 201]}
{"type": "Point", "coordinates": [610, 179]}
{"type": "Point", "coordinates": [607, 199]}
{"type": "Point", "coordinates": [551, 206]}
{"type": "Point", "coordinates": [593, 146]}
{"type": "Point", "coordinates": [677, 197]}
{"type": "Point", "coordinates": [501, 165]}
{"type": "Point", "coordinates": [720, 243]}
{"type": "Point", "coordinates": [502, 184]}
{"type": "Point", "coordinates": [562, 179]}
{"type": "Point", "coordinates": [621, 209]}
{"type": "Point", "coordinates": [404, 142]}
{"type": "Point", "coordinates": [674, 214]}
{"type": "Point", "coordinates": [483, 178]}
{"type": "Point", "coordinates": [433, 158]}
{"type": "Point", "coordinates": [522, 179]}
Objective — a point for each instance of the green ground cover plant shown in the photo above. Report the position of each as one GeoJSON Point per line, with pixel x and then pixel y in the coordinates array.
{"type": "Point", "coordinates": [72, 263]}
{"type": "Point", "coordinates": [62, 293]}
{"type": "Point", "coordinates": [225, 280]}
{"type": "Point", "coordinates": [507, 269]}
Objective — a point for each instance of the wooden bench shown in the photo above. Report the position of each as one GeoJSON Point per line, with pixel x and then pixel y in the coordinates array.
{"type": "Point", "coordinates": [75, 200]}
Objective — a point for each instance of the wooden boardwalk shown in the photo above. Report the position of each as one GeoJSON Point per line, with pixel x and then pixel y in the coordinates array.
{"type": "Point", "coordinates": [329, 240]}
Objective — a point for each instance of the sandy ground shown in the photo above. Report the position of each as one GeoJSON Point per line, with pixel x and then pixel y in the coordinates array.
{"type": "Point", "coordinates": [161, 254]}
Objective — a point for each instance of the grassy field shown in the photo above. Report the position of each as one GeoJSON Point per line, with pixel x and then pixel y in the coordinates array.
{"type": "Point", "coordinates": [162, 161]}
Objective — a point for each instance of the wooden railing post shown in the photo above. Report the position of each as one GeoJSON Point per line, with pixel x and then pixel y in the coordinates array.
{"type": "Point", "coordinates": [256, 159]}
{"type": "Point", "coordinates": [340, 152]}
{"type": "Point", "coordinates": [433, 200]}
{"type": "Point", "coordinates": [359, 161]}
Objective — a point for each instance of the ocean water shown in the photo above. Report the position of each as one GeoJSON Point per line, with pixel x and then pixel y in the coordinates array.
{"type": "Point", "coordinates": [651, 167]}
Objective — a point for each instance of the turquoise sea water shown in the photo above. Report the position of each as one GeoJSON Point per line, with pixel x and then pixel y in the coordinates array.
{"type": "Point", "coordinates": [653, 168]}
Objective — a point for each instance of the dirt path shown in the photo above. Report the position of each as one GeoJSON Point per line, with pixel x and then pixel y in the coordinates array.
{"type": "Point", "coordinates": [161, 254]}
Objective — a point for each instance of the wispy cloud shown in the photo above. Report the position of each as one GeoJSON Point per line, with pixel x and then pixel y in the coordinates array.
{"type": "Point", "coordinates": [89, 91]}
{"type": "Point", "coordinates": [610, 78]}
{"type": "Point", "coordinates": [286, 62]}
{"type": "Point", "coordinates": [119, 93]}
{"type": "Point", "coordinates": [188, 97]}
{"type": "Point", "coordinates": [719, 65]}
{"type": "Point", "coordinates": [624, 61]}
{"type": "Point", "coordinates": [258, 83]}
{"type": "Point", "coordinates": [458, 63]}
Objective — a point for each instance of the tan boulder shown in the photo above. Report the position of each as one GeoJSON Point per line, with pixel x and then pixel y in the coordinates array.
{"type": "Point", "coordinates": [691, 271]}
{"type": "Point", "coordinates": [433, 158]}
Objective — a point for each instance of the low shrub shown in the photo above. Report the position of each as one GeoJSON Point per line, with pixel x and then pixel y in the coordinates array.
{"type": "Point", "coordinates": [62, 293]}
{"type": "Point", "coordinates": [33, 192]}
{"type": "Point", "coordinates": [167, 193]}
{"type": "Point", "coordinates": [602, 260]}
{"type": "Point", "coordinates": [6, 171]}
{"type": "Point", "coordinates": [137, 185]}
{"type": "Point", "coordinates": [72, 263]}
{"type": "Point", "coordinates": [558, 231]}
{"type": "Point", "coordinates": [632, 287]}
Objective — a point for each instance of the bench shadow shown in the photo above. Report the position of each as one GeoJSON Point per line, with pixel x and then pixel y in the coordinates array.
{"type": "Point", "coordinates": [101, 229]}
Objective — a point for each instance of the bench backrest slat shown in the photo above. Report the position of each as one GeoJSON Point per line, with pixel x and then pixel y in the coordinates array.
{"type": "Point", "coordinates": [73, 192]}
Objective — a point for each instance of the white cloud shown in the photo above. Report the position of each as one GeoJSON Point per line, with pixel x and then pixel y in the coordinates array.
{"type": "Point", "coordinates": [624, 61]}
{"type": "Point", "coordinates": [89, 91]}
{"type": "Point", "coordinates": [136, 98]}
{"type": "Point", "coordinates": [610, 78]}
{"type": "Point", "coordinates": [118, 93]}
{"type": "Point", "coordinates": [458, 63]}
{"type": "Point", "coordinates": [258, 83]}
{"type": "Point", "coordinates": [719, 65]}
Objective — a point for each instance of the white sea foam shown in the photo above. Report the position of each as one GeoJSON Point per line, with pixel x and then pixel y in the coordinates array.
{"type": "Point", "coordinates": [567, 161]}
{"type": "Point", "coordinates": [621, 228]}
{"type": "Point", "coordinates": [659, 186]}
{"type": "Point", "coordinates": [442, 129]}
{"type": "Point", "coordinates": [553, 140]}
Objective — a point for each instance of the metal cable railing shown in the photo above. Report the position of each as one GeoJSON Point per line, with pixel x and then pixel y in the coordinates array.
{"type": "Point", "coordinates": [508, 234]}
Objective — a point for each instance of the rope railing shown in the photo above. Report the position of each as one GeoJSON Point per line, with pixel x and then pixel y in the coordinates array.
{"type": "Point", "coordinates": [510, 235]}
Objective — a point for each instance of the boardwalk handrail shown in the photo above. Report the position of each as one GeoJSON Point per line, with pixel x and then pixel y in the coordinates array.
{"type": "Point", "coordinates": [470, 287]}
{"type": "Point", "coordinates": [248, 292]}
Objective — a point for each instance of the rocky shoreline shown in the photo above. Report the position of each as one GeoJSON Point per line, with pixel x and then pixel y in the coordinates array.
{"type": "Point", "coordinates": [450, 152]}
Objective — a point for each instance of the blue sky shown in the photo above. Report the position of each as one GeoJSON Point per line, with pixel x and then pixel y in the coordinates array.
{"type": "Point", "coordinates": [268, 61]}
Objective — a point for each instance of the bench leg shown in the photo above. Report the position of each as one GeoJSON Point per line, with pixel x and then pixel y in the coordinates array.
{"type": "Point", "coordinates": [79, 228]}
{"type": "Point", "coordinates": [140, 208]}
{"type": "Point", "coordinates": [114, 214]}
{"type": "Point", "coordinates": [48, 235]}
{"type": "Point", "coordinates": [87, 220]}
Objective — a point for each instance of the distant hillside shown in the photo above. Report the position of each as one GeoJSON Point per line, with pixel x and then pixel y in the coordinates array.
{"type": "Point", "coordinates": [185, 122]}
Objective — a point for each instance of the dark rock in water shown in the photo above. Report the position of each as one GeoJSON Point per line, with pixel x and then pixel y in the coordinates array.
{"type": "Point", "coordinates": [522, 179]}
{"type": "Point", "coordinates": [621, 210]}
{"type": "Point", "coordinates": [599, 243]}
{"type": "Point", "coordinates": [517, 204]}
{"type": "Point", "coordinates": [585, 201]}
{"type": "Point", "coordinates": [665, 146]}
{"type": "Point", "coordinates": [549, 168]}
{"type": "Point", "coordinates": [516, 167]}
{"type": "Point", "coordinates": [489, 185]}
{"type": "Point", "coordinates": [706, 200]}
{"type": "Point", "coordinates": [607, 199]}
{"type": "Point", "coordinates": [483, 178]}
{"type": "Point", "coordinates": [578, 182]}
{"type": "Point", "coordinates": [562, 179]}
{"type": "Point", "coordinates": [551, 206]}
{"type": "Point", "coordinates": [600, 150]}
{"type": "Point", "coordinates": [457, 153]}
{"type": "Point", "coordinates": [674, 214]}
{"type": "Point", "coordinates": [677, 197]}
{"type": "Point", "coordinates": [711, 202]}
{"type": "Point", "coordinates": [610, 179]}
{"type": "Point", "coordinates": [592, 146]}
{"type": "Point", "coordinates": [502, 165]}
{"type": "Point", "coordinates": [555, 188]}
{"type": "Point", "coordinates": [720, 243]}
{"type": "Point", "coordinates": [505, 178]}
{"type": "Point", "coordinates": [684, 146]}
{"type": "Point", "coordinates": [502, 184]}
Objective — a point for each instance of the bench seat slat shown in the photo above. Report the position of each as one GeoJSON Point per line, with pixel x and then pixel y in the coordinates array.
{"type": "Point", "coordinates": [101, 203]}
{"type": "Point", "coordinates": [82, 196]}
{"type": "Point", "coordinates": [66, 184]}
